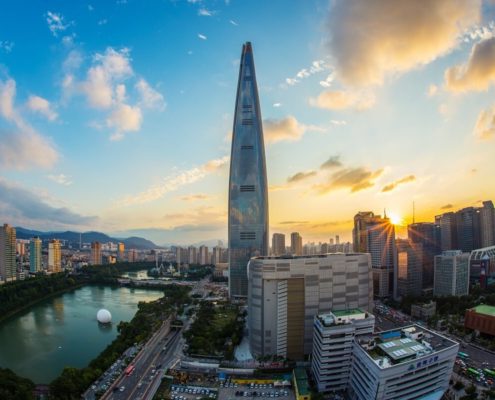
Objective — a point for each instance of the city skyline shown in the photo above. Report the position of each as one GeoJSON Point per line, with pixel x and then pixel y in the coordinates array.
{"type": "Point", "coordinates": [98, 135]}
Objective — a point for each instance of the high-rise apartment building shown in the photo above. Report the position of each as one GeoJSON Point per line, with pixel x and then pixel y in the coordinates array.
{"type": "Point", "coordinates": [132, 255]}
{"type": "Point", "coordinates": [487, 224]}
{"type": "Point", "coordinates": [451, 274]}
{"type": "Point", "coordinates": [428, 235]}
{"type": "Point", "coordinates": [278, 244]}
{"type": "Point", "coordinates": [203, 257]}
{"type": "Point", "coordinates": [337, 239]}
{"type": "Point", "coordinates": [120, 251]}
{"type": "Point", "coordinates": [296, 247]}
{"type": "Point", "coordinates": [192, 257]}
{"type": "Point", "coordinates": [35, 264]}
{"type": "Point", "coordinates": [333, 341]}
{"type": "Point", "coordinates": [96, 254]}
{"type": "Point", "coordinates": [285, 294]}
{"type": "Point", "coordinates": [248, 190]}
{"type": "Point", "coordinates": [409, 277]}
{"type": "Point", "coordinates": [7, 253]}
{"type": "Point", "coordinates": [54, 256]}
{"type": "Point", "coordinates": [360, 232]}
{"type": "Point", "coordinates": [216, 256]}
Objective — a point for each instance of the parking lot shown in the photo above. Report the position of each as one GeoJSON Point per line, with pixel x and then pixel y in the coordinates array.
{"type": "Point", "coordinates": [233, 391]}
{"type": "Point", "coordinates": [182, 392]}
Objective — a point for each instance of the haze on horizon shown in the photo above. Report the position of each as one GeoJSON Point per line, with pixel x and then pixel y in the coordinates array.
{"type": "Point", "coordinates": [366, 105]}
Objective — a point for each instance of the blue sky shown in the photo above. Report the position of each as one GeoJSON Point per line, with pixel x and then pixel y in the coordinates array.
{"type": "Point", "coordinates": [116, 116]}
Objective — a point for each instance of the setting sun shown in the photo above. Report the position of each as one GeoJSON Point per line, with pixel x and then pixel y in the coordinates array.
{"type": "Point", "coordinates": [395, 219]}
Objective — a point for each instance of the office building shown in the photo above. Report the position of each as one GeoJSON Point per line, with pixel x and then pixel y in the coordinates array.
{"type": "Point", "coordinates": [360, 232]}
{"type": "Point", "coordinates": [487, 224]}
{"type": "Point", "coordinates": [424, 311]}
{"type": "Point", "coordinates": [409, 277]}
{"type": "Point", "coordinates": [216, 255]}
{"type": "Point", "coordinates": [337, 239]}
{"type": "Point", "coordinates": [35, 264]}
{"type": "Point", "coordinates": [410, 363]}
{"type": "Point", "coordinates": [296, 247]}
{"type": "Point", "coordinates": [468, 229]}
{"type": "Point", "coordinates": [7, 253]}
{"type": "Point", "coordinates": [448, 230]}
{"type": "Point", "coordinates": [96, 254]}
{"type": "Point", "coordinates": [120, 251]}
{"type": "Point", "coordinates": [248, 189]}
{"type": "Point", "coordinates": [278, 244]}
{"type": "Point", "coordinates": [334, 334]}
{"type": "Point", "coordinates": [451, 276]}
{"type": "Point", "coordinates": [426, 234]}
{"type": "Point", "coordinates": [481, 319]}
{"type": "Point", "coordinates": [285, 294]}
{"type": "Point", "coordinates": [54, 256]}
{"type": "Point", "coordinates": [482, 267]}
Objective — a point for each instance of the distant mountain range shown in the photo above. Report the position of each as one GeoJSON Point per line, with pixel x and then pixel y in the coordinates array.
{"type": "Point", "coordinates": [73, 238]}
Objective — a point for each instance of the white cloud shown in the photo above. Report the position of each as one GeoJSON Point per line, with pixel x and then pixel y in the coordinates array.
{"type": "Point", "coordinates": [328, 81]}
{"type": "Point", "coordinates": [288, 128]}
{"type": "Point", "coordinates": [338, 122]}
{"type": "Point", "coordinates": [90, 7]}
{"type": "Point", "coordinates": [150, 98]}
{"type": "Point", "coordinates": [103, 21]}
{"type": "Point", "coordinates": [369, 40]}
{"type": "Point", "coordinates": [233, 22]}
{"type": "Point", "coordinates": [61, 179]}
{"type": "Point", "coordinates": [316, 66]}
{"type": "Point", "coordinates": [174, 182]}
{"type": "Point", "coordinates": [203, 12]}
{"type": "Point", "coordinates": [202, 37]}
{"type": "Point", "coordinates": [276, 105]}
{"type": "Point", "coordinates": [124, 118]}
{"type": "Point", "coordinates": [432, 90]}
{"type": "Point", "coordinates": [485, 125]}
{"type": "Point", "coordinates": [340, 100]}
{"type": "Point", "coordinates": [6, 45]}
{"type": "Point", "coordinates": [40, 105]}
{"type": "Point", "coordinates": [56, 23]}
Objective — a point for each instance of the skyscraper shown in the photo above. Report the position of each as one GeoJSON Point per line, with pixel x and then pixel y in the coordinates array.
{"type": "Point", "coordinates": [278, 244]}
{"type": "Point", "coordinates": [248, 194]}
{"type": "Point", "coordinates": [120, 251]}
{"type": "Point", "coordinates": [448, 230]}
{"type": "Point", "coordinates": [296, 247]}
{"type": "Point", "coordinates": [54, 256]}
{"type": "Point", "coordinates": [487, 224]}
{"type": "Point", "coordinates": [35, 255]}
{"type": "Point", "coordinates": [96, 256]}
{"type": "Point", "coordinates": [426, 234]}
{"type": "Point", "coordinates": [7, 253]}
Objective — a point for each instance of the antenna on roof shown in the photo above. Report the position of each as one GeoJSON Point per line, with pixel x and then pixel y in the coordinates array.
{"type": "Point", "coordinates": [384, 212]}
{"type": "Point", "coordinates": [414, 212]}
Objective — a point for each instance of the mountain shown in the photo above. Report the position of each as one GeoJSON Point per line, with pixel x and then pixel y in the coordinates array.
{"type": "Point", "coordinates": [86, 237]}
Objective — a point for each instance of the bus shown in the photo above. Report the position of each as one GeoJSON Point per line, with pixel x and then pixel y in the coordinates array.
{"type": "Point", "coordinates": [129, 370]}
{"type": "Point", "coordinates": [489, 372]}
{"type": "Point", "coordinates": [474, 372]}
{"type": "Point", "coordinates": [462, 355]}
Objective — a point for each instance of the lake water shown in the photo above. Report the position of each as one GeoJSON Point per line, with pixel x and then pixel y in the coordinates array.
{"type": "Point", "coordinates": [63, 331]}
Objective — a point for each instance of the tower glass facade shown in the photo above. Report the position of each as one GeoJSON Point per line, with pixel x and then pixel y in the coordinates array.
{"type": "Point", "coordinates": [248, 195]}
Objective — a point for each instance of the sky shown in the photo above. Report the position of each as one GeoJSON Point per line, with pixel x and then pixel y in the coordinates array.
{"type": "Point", "coordinates": [117, 116]}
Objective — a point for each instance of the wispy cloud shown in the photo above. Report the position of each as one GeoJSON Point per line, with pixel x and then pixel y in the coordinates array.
{"type": "Point", "coordinates": [61, 179]}
{"type": "Point", "coordinates": [42, 106]}
{"type": "Point", "coordinates": [202, 37]}
{"type": "Point", "coordinates": [276, 105]}
{"type": "Point", "coordinates": [194, 197]}
{"type": "Point", "coordinates": [293, 222]}
{"type": "Point", "coordinates": [204, 12]}
{"type": "Point", "coordinates": [233, 22]}
{"type": "Point", "coordinates": [341, 99]}
{"type": "Point", "coordinates": [316, 66]}
{"type": "Point", "coordinates": [447, 207]}
{"type": "Point", "coordinates": [393, 185]}
{"type": "Point", "coordinates": [485, 124]}
{"type": "Point", "coordinates": [6, 45]}
{"type": "Point", "coordinates": [288, 128]}
{"type": "Point", "coordinates": [300, 176]}
{"type": "Point", "coordinates": [332, 162]}
{"type": "Point", "coordinates": [338, 122]}
{"type": "Point", "coordinates": [174, 182]}
{"type": "Point", "coordinates": [56, 23]}
{"type": "Point", "coordinates": [150, 98]}
{"type": "Point", "coordinates": [353, 178]}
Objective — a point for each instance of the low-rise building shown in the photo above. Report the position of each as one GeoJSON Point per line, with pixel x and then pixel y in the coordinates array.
{"type": "Point", "coordinates": [424, 311]}
{"type": "Point", "coordinates": [410, 363]}
{"type": "Point", "coordinates": [481, 319]}
{"type": "Point", "coordinates": [334, 334]}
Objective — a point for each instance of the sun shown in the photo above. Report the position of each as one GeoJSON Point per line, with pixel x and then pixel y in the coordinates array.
{"type": "Point", "coordinates": [395, 219]}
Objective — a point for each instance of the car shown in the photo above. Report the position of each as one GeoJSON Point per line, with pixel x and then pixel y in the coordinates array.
{"type": "Point", "coordinates": [122, 388]}
{"type": "Point", "coordinates": [93, 387]}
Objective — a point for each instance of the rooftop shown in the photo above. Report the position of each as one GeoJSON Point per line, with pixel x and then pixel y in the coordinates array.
{"type": "Point", "coordinates": [400, 345]}
{"type": "Point", "coordinates": [301, 381]}
{"type": "Point", "coordinates": [352, 311]}
{"type": "Point", "coordinates": [342, 317]}
{"type": "Point", "coordinates": [291, 257]}
{"type": "Point", "coordinates": [485, 309]}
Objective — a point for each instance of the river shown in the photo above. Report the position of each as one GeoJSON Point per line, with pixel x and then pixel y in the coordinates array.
{"type": "Point", "coordinates": [62, 331]}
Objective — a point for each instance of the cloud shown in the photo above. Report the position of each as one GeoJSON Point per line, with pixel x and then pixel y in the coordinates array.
{"type": "Point", "coordinates": [338, 122]}
{"type": "Point", "coordinates": [331, 224]}
{"type": "Point", "coordinates": [432, 90]}
{"type": "Point", "coordinates": [352, 178]}
{"type": "Point", "coordinates": [203, 12]}
{"type": "Point", "coordinates": [485, 124]}
{"type": "Point", "coordinates": [300, 176]}
{"type": "Point", "coordinates": [371, 39]}
{"type": "Point", "coordinates": [479, 72]}
{"type": "Point", "coordinates": [6, 46]}
{"type": "Point", "coordinates": [202, 37]}
{"type": "Point", "coordinates": [316, 66]}
{"type": "Point", "coordinates": [447, 207]}
{"type": "Point", "coordinates": [293, 222]}
{"type": "Point", "coordinates": [61, 179]}
{"type": "Point", "coordinates": [288, 128]}
{"type": "Point", "coordinates": [327, 82]}
{"type": "Point", "coordinates": [194, 197]}
{"type": "Point", "coordinates": [174, 182]}
{"type": "Point", "coordinates": [150, 98]}
{"type": "Point", "coordinates": [276, 105]}
{"type": "Point", "coordinates": [340, 100]}
{"type": "Point", "coordinates": [332, 162]}
{"type": "Point", "coordinates": [233, 22]}
{"type": "Point", "coordinates": [40, 105]}
{"type": "Point", "coordinates": [102, 21]}
{"type": "Point", "coordinates": [391, 186]}
{"type": "Point", "coordinates": [21, 146]}
{"type": "Point", "coordinates": [124, 118]}
{"type": "Point", "coordinates": [20, 203]}
{"type": "Point", "coordinates": [56, 23]}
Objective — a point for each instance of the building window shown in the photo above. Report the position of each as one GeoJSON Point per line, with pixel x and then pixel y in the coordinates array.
{"type": "Point", "coordinates": [247, 188]}
{"type": "Point", "coordinates": [247, 147]}
{"type": "Point", "coordinates": [247, 121]}
{"type": "Point", "coordinates": [248, 235]}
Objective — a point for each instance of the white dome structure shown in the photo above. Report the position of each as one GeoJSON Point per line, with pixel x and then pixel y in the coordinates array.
{"type": "Point", "coordinates": [103, 316]}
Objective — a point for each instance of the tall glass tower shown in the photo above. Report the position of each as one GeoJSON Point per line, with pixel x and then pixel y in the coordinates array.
{"type": "Point", "coordinates": [248, 191]}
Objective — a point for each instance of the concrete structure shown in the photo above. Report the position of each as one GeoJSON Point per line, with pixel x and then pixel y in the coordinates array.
{"type": "Point", "coordinates": [35, 264]}
{"type": "Point", "coordinates": [451, 276]}
{"type": "Point", "coordinates": [468, 229]}
{"type": "Point", "coordinates": [448, 230]}
{"type": "Point", "coordinates": [409, 277]}
{"type": "Point", "coordinates": [285, 294]}
{"type": "Point", "coordinates": [296, 247]}
{"type": "Point", "coordinates": [192, 257]}
{"type": "Point", "coordinates": [487, 224]}
{"type": "Point", "coordinates": [96, 255]}
{"type": "Point", "coordinates": [482, 266]}
{"type": "Point", "coordinates": [7, 253]}
{"type": "Point", "coordinates": [203, 256]}
{"type": "Point", "coordinates": [248, 189]}
{"type": "Point", "coordinates": [132, 255]}
{"type": "Point", "coordinates": [120, 251]}
{"type": "Point", "coordinates": [54, 256]}
{"type": "Point", "coordinates": [424, 311]}
{"type": "Point", "coordinates": [278, 244]}
{"type": "Point", "coordinates": [481, 319]}
{"type": "Point", "coordinates": [427, 235]}
{"type": "Point", "coordinates": [334, 335]}
{"type": "Point", "coordinates": [410, 363]}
